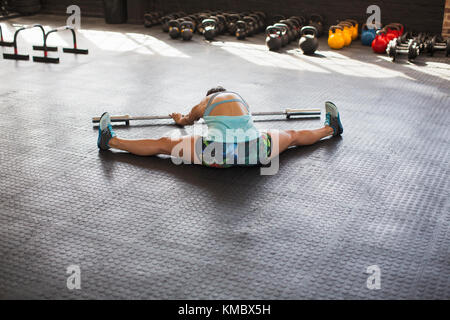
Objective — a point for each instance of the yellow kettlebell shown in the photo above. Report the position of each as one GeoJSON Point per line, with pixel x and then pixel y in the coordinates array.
{"type": "Point", "coordinates": [347, 33]}
{"type": "Point", "coordinates": [355, 28]}
{"type": "Point", "coordinates": [335, 37]}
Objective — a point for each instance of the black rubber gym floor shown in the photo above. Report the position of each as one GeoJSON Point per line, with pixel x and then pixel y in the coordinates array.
{"type": "Point", "coordinates": [144, 228]}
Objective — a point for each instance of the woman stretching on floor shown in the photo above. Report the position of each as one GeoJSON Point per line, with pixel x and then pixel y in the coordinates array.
{"type": "Point", "coordinates": [232, 138]}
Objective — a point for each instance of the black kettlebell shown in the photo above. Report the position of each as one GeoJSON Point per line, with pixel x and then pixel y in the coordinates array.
{"type": "Point", "coordinates": [284, 33]}
{"type": "Point", "coordinates": [210, 28]}
{"type": "Point", "coordinates": [165, 23]}
{"type": "Point", "coordinates": [241, 29]}
{"type": "Point", "coordinates": [308, 41]}
{"type": "Point", "coordinates": [251, 25]}
{"type": "Point", "coordinates": [174, 29]}
{"type": "Point", "coordinates": [273, 38]}
{"type": "Point", "coordinates": [316, 20]}
{"type": "Point", "coordinates": [291, 30]}
{"type": "Point", "coordinates": [187, 30]}
{"type": "Point", "coordinates": [232, 23]}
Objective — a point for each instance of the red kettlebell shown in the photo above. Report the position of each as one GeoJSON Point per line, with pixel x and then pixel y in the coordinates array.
{"type": "Point", "coordinates": [380, 42]}
{"type": "Point", "coordinates": [392, 32]}
{"type": "Point", "coordinates": [400, 27]}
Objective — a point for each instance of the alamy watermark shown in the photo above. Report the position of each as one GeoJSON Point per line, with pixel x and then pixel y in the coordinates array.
{"type": "Point", "coordinates": [74, 279]}
{"type": "Point", "coordinates": [374, 280]}
{"type": "Point", "coordinates": [374, 20]}
{"type": "Point", "coordinates": [74, 20]}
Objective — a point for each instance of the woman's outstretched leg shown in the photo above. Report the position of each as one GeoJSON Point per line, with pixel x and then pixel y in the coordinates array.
{"type": "Point", "coordinates": [291, 138]}
{"type": "Point", "coordinates": [144, 147]}
{"type": "Point", "coordinates": [182, 147]}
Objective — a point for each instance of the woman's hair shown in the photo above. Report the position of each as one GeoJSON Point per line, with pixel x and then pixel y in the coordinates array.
{"type": "Point", "coordinates": [216, 89]}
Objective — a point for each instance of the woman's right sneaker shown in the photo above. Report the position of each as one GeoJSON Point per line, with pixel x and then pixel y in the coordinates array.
{"type": "Point", "coordinates": [333, 119]}
{"type": "Point", "coordinates": [105, 132]}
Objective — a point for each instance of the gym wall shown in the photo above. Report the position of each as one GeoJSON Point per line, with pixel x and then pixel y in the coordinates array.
{"type": "Point", "coordinates": [446, 23]}
{"type": "Point", "coordinates": [89, 8]}
{"type": "Point", "coordinates": [420, 15]}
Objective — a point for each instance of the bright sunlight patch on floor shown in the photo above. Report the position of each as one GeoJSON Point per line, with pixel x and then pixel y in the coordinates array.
{"type": "Point", "coordinates": [294, 59]}
{"type": "Point", "coordinates": [108, 40]}
{"type": "Point", "coordinates": [259, 55]}
{"type": "Point", "coordinates": [148, 42]}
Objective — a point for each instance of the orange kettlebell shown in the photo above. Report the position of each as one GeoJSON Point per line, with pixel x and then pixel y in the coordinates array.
{"type": "Point", "coordinates": [355, 28]}
{"type": "Point", "coordinates": [335, 38]}
{"type": "Point", "coordinates": [347, 33]}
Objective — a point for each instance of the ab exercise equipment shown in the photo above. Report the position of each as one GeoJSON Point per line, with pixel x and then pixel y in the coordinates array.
{"type": "Point", "coordinates": [44, 47]}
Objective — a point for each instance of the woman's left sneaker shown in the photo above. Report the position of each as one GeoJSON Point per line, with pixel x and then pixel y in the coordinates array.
{"type": "Point", "coordinates": [105, 132]}
{"type": "Point", "coordinates": [333, 119]}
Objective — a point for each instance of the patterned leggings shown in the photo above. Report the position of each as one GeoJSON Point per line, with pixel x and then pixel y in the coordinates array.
{"type": "Point", "coordinates": [247, 153]}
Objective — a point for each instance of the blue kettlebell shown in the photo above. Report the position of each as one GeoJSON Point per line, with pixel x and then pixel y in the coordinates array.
{"type": "Point", "coordinates": [367, 35]}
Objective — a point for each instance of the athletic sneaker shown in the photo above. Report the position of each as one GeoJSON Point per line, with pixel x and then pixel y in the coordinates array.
{"type": "Point", "coordinates": [333, 119]}
{"type": "Point", "coordinates": [105, 132]}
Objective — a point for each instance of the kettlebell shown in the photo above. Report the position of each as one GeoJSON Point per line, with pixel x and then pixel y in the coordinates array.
{"type": "Point", "coordinates": [296, 25]}
{"type": "Point", "coordinates": [232, 23]}
{"type": "Point", "coordinates": [284, 34]}
{"type": "Point", "coordinates": [273, 38]}
{"type": "Point", "coordinates": [400, 27]}
{"type": "Point", "coordinates": [251, 25]}
{"type": "Point", "coordinates": [276, 18]}
{"type": "Point", "coordinates": [347, 33]}
{"type": "Point", "coordinates": [221, 23]}
{"type": "Point", "coordinates": [174, 29]}
{"type": "Point", "coordinates": [259, 25]}
{"type": "Point", "coordinates": [316, 21]}
{"type": "Point", "coordinates": [335, 39]}
{"type": "Point", "coordinates": [308, 41]}
{"type": "Point", "coordinates": [291, 31]}
{"type": "Point", "coordinates": [187, 30]}
{"type": "Point", "coordinates": [367, 35]}
{"type": "Point", "coordinates": [241, 30]}
{"type": "Point", "coordinates": [355, 28]}
{"type": "Point", "coordinates": [392, 31]}
{"type": "Point", "coordinates": [165, 23]}
{"type": "Point", "coordinates": [209, 26]}
{"type": "Point", "coordinates": [380, 42]}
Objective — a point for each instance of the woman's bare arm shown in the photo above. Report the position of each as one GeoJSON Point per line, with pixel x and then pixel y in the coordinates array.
{"type": "Point", "coordinates": [189, 119]}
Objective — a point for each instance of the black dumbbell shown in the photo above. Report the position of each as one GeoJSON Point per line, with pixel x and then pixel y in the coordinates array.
{"type": "Point", "coordinates": [437, 43]}
{"type": "Point", "coordinates": [394, 49]}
